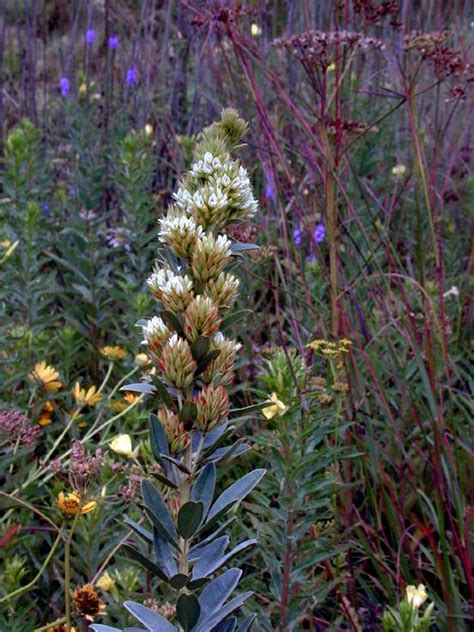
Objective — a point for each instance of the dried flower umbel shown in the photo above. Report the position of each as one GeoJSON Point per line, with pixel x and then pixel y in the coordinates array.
{"type": "Point", "coordinates": [195, 363]}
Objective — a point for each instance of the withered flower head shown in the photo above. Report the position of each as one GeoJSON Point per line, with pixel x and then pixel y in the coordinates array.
{"type": "Point", "coordinates": [88, 603]}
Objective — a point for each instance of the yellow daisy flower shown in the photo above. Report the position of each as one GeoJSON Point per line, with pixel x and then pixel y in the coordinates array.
{"type": "Point", "coordinates": [113, 353]}
{"type": "Point", "coordinates": [46, 376]}
{"type": "Point", "coordinates": [86, 398]}
{"type": "Point", "coordinates": [70, 504]}
{"type": "Point", "coordinates": [276, 407]}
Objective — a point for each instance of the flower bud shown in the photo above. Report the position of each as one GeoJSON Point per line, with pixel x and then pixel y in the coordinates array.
{"type": "Point", "coordinates": [156, 334]}
{"type": "Point", "coordinates": [210, 256]}
{"type": "Point", "coordinates": [173, 290]}
{"type": "Point", "coordinates": [180, 233]}
{"type": "Point", "coordinates": [177, 363]}
{"type": "Point", "coordinates": [212, 407]}
{"type": "Point", "coordinates": [177, 437]}
{"type": "Point", "coordinates": [221, 369]}
{"type": "Point", "coordinates": [223, 290]}
{"type": "Point", "coordinates": [201, 318]}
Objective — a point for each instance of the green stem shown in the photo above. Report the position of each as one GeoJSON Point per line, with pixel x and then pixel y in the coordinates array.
{"type": "Point", "coordinates": [67, 573]}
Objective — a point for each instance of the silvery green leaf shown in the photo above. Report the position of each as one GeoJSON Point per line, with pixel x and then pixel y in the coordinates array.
{"type": "Point", "coordinates": [158, 511]}
{"type": "Point", "coordinates": [153, 621]}
{"type": "Point", "coordinates": [203, 488]}
{"type": "Point", "coordinates": [218, 591]}
{"type": "Point", "coordinates": [235, 493]}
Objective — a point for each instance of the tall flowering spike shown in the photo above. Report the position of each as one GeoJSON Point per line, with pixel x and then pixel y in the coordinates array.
{"type": "Point", "coordinates": [195, 362]}
{"type": "Point", "coordinates": [177, 363]}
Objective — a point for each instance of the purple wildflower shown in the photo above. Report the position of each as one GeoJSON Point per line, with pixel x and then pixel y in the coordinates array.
{"type": "Point", "coordinates": [132, 76]}
{"type": "Point", "coordinates": [311, 258]}
{"type": "Point", "coordinates": [64, 86]}
{"type": "Point", "coordinates": [89, 37]}
{"type": "Point", "coordinates": [269, 192]}
{"type": "Point", "coordinates": [15, 427]}
{"type": "Point", "coordinates": [113, 42]}
{"type": "Point", "coordinates": [319, 233]}
{"type": "Point", "coordinates": [46, 208]}
{"type": "Point", "coordinates": [72, 192]}
{"type": "Point", "coordinates": [297, 236]}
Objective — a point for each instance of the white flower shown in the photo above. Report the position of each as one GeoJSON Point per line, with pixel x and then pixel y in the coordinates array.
{"type": "Point", "coordinates": [453, 291]}
{"type": "Point", "coordinates": [122, 444]}
{"type": "Point", "coordinates": [416, 595]}
{"type": "Point", "coordinates": [154, 328]}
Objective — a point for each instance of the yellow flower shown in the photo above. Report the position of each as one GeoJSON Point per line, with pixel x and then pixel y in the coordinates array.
{"type": "Point", "coordinates": [148, 129]}
{"type": "Point", "coordinates": [105, 582]}
{"type": "Point", "coordinates": [255, 30]}
{"type": "Point", "coordinates": [141, 359]}
{"type": "Point", "coordinates": [61, 627]}
{"type": "Point", "coordinates": [47, 376]}
{"type": "Point", "coordinates": [399, 170]}
{"type": "Point", "coordinates": [45, 414]}
{"type": "Point", "coordinates": [86, 398]}
{"type": "Point", "coordinates": [130, 398]}
{"type": "Point", "coordinates": [276, 409]}
{"type": "Point", "coordinates": [113, 353]}
{"type": "Point", "coordinates": [122, 444]}
{"type": "Point", "coordinates": [416, 595]}
{"type": "Point", "coordinates": [331, 67]}
{"type": "Point", "coordinates": [70, 504]}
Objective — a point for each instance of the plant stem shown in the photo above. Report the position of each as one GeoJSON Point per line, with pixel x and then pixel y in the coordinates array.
{"type": "Point", "coordinates": [67, 573]}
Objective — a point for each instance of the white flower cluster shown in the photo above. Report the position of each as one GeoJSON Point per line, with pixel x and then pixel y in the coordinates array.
{"type": "Point", "coordinates": [180, 232]}
{"type": "Point", "coordinates": [174, 290]}
{"type": "Point", "coordinates": [217, 191]}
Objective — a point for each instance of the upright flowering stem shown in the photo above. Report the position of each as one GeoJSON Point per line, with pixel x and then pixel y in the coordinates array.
{"type": "Point", "coordinates": [195, 290]}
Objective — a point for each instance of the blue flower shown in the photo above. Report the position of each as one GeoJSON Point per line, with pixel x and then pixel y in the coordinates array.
{"type": "Point", "coordinates": [132, 76]}
{"type": "Point", "coordinates": [113, 42]}
{"type": "Point", "coordinates": [297, 236]}
{"type": "Point", "coordinates": [46, 208]}
{"type": "Point", "coordinates": [64, 86]}
{"type": "Point", "coordinates": [319, 233]}
{"type": "Point", "coordinates": [90, 36]}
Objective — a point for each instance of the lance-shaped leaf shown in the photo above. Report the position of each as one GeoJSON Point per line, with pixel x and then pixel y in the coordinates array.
{"type": "Point", "coordinates": [99, 627]}
{"type": "Point", "coordinates": [163, 392]}
{"type": "Point", "coordinates": [206, 361]}
{"type": "Point", "coordinates": [227, 626]}
{"type": "Point", "coordinates": [189, 518]}
{"type": "Point", "coordinates": [145, 562]}
{"type": "Point", "coordinates": [210, 438]}
{"type": "Point", "coordinates": [153, 621]}
{"type": "Point", "coordinates": [163, 554]}
{"type": "Point", "coordinates": [246, 410]}
{"type": "Point", "coordinates": [217, 592]}
{"type": "Point", "coordinates": [172, 321]}
{"type": "Point", "coordinates": [204, 555]}
{"type": "Point", "coordinates": [222, 613]}
{"type": "Point", "coordinates": [226, 454]}
{"type": "Point", "coordinates": [188, 610]}
{"type": "Point", "coordinates": [160, 449]}
{"type": "Point", "coordinates": [207, 565]}
{"type": "Point", "coordinates": [200, 347]}
{"type": "Point", "coordinates": [203, 489]}
{"type": "Point", "coordinates": [141, 531]}
{"type": "Point", "coordinates": [237, 247]}
{"type": "Point", "coordinates": [179, 581]}
{"type": "Point", "coordinates": [235, 493]}
{"type": "Point", "coordinates": [247, 623]}
{"type": "Point", "coordinates": [139, 387]}
{"type": "Point", "coordinates": [158, 511]}
{"type": "Point", "coordinates": [188, 412]}
{"type": "Point", "coordinates": [234, 318]}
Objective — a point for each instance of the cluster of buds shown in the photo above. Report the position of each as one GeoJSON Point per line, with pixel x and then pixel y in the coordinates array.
{"type": "Point", "coordinates": [193, 285]}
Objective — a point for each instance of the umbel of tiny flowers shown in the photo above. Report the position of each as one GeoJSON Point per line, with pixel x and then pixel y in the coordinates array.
{"type": "Point", "coordinates": [189, 343]}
